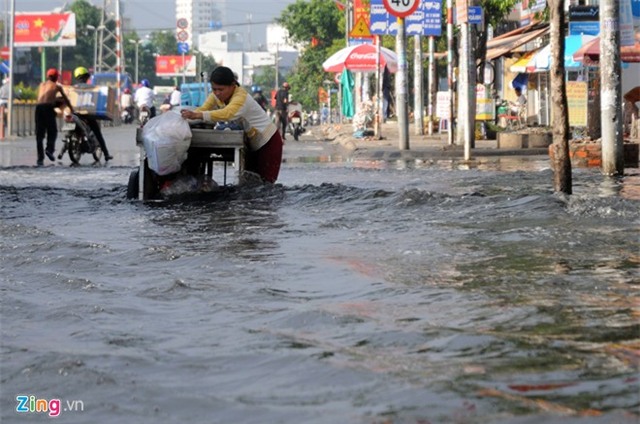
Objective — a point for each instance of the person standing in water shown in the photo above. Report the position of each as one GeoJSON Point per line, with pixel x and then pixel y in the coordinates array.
{"type": "Point", "coordinates": [229, 102]}
{"type": "Point", "coordinates": [45, 114]}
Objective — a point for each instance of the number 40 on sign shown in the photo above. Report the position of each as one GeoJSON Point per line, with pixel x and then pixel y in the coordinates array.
{"type": "Point", "coordinates": [401, 8]}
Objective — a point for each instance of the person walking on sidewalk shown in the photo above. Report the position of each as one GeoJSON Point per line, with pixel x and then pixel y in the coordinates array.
{"type": "Point", "coordinates": [45, 114]}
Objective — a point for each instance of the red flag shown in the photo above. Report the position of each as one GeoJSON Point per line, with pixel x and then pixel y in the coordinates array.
{"type": "Point", "coordinates": [341, 6]}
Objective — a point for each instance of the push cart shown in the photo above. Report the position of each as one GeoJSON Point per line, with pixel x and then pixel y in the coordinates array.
{"type": "Point", "coordinates": [207, 147]}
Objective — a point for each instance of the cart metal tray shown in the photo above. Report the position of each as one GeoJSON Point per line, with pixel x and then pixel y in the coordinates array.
{"type": "Point", "coordinates": [207, 146]}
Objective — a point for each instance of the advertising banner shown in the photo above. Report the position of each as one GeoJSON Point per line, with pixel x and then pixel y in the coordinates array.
{"type": "Point", "coordinates": [173, 66]}
{"type": "Point", "coordinates": [577, 100]}
{"type": "Point", "coordinates": [44, 29]}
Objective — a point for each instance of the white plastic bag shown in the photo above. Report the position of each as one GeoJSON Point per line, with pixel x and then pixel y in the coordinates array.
{"type": "Point", "coordinates": [166, 139]}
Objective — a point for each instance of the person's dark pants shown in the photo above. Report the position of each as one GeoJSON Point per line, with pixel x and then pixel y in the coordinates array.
{"type": "Point", "coordinates": [281, 122]}
{"type": "Point", "coordinates": [266, 161]}
{"type": "Point", "coordinates": [95, 127]}
{"type": "Point", "coordinates": [46, 124]}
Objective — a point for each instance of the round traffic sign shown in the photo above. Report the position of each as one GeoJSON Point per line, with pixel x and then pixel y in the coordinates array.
{"type": "Point", "coordinates": [401, 8]}
{"type": "Point", "coordinates": [182, 35]}
{"type": "Point", "coordinates": [182, 23]}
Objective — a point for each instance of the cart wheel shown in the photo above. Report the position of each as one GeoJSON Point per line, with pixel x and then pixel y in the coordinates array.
{"type": "Point", "coordinates": [133, 186]}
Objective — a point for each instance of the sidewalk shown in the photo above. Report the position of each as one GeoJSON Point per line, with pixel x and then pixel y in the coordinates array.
{"type": "Point", "coordinates": [21, 151]}
{"type": "Point", "coordinates": [420, 146]}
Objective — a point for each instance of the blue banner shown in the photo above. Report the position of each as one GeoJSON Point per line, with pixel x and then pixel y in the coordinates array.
{"type": "Point", "coordinates": [427, 20]}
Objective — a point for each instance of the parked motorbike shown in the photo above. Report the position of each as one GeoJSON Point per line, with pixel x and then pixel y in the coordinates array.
{"type": "Point", "coordinates": [78, 139]}
{"type": "Point", "coordinates": [295, 120]}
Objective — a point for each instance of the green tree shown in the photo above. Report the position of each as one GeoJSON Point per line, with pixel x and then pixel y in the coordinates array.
{"type": "Point", "coordinates": [265, 78]}
{"type": "Point", "coordinates": [318, 20]}
{"type": "Point", "coordinates": [495, 12]}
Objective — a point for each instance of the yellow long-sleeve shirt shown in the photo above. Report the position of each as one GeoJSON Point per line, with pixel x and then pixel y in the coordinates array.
{"type": "Point", "coordinates": [241, 107]}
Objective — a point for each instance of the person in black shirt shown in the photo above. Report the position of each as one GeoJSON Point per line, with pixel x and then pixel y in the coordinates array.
{"type": "Point", "coordinates": [282, 102]}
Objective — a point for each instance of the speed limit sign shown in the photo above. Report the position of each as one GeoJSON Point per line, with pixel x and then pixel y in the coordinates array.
{"type": "Point", "coordinates": [182, 36]}
{"type": "Point", "coordinates": [182, 23]}
{"type": "Point", "coordinates": [401, 8]}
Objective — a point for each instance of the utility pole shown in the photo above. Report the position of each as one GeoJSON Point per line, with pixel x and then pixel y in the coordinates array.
{"type": "Point", "coordinates": [432, 84]}
{"type": "Point", "coordinates": [275, 64]}
{"type": "Point", "coordinates": [401, 10]}
{"type": "Point", "coordinates": [11, 62]}
{"type": "Point", "coordinates": [466, 83]}
{"type": "Point", "coordinates": [401, 87]}
{"type": "Point", "coordinates": [418, 96]}
{"type": "Point", "coordinates": [610, 88]}
{"type": "Point", "coordinates": [379, 112]}
{"type": "Point", "coordinates": [450, 70]}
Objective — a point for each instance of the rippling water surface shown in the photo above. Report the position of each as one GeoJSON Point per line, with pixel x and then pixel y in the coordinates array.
{"type": "Point", "coordinates": [352, 292]}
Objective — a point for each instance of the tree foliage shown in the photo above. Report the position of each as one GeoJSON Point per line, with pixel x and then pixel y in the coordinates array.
{"type": "Point", "coordinates": [494, 12]}
{"type": "Point", "coordinates": [306, 20]}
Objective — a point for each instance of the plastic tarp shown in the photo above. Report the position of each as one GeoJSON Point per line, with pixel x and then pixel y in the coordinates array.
{"type": "Point", "coordinates": [347, 83]}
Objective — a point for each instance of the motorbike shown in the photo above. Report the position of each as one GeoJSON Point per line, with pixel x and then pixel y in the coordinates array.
{"type": "Point", "coordinates": [145, 115]}
{"type": "Point", "coordinates": [127, 115]}
{"type": "Point", "coordinates": [295, 120]}
{"type": "Point", "coordinates": [78, 139]}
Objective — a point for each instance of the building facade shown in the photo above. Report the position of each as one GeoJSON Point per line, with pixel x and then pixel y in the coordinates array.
{"type": "Point", "coordinates": [201, 16]}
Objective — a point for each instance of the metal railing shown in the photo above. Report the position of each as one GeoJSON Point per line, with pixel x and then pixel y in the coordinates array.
{"type": "Point", "coordinates": [23, 120]}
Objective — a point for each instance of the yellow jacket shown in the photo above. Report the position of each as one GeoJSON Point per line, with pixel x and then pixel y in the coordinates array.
{"type": "Point", "coordinates": [241, 107]}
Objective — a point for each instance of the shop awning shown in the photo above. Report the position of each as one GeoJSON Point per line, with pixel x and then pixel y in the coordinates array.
{"type": "Point", "coordinates": [524, 63]}
{"type": "Point", "coordinates": [589, 54]}
{"type": "Point", "coordinates": [506, 45]}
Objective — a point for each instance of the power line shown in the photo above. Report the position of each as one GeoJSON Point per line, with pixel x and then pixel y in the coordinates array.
{"type": "Point", "coordinates": [224, 26]}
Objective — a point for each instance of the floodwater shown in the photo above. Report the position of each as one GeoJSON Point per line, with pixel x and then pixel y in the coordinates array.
{"type": "Point", "coordinates": [351, 292]}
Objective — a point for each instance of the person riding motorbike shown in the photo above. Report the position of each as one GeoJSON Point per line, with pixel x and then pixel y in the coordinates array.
{"type": "Point", "coordinates": [126, 105]}
{"type": "Point", "coordinates": [144, 98]}
{"type": "Point", "coordinates": [294, 116]}
{"type": "Point", "coordinates": [82, 75]}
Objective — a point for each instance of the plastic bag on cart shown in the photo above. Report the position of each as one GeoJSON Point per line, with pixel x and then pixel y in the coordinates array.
{"type": "Point", "coordinates": [166, 139]}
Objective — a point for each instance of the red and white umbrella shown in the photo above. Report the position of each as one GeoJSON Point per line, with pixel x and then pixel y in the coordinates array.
{"type": "Point", "coordinates": [361, 58]}
{"type": "Point", "coordinates": [589, 53]}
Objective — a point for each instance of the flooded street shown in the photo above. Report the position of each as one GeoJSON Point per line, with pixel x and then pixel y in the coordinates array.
{"type": "Point", "coordinates": [354, 291]}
